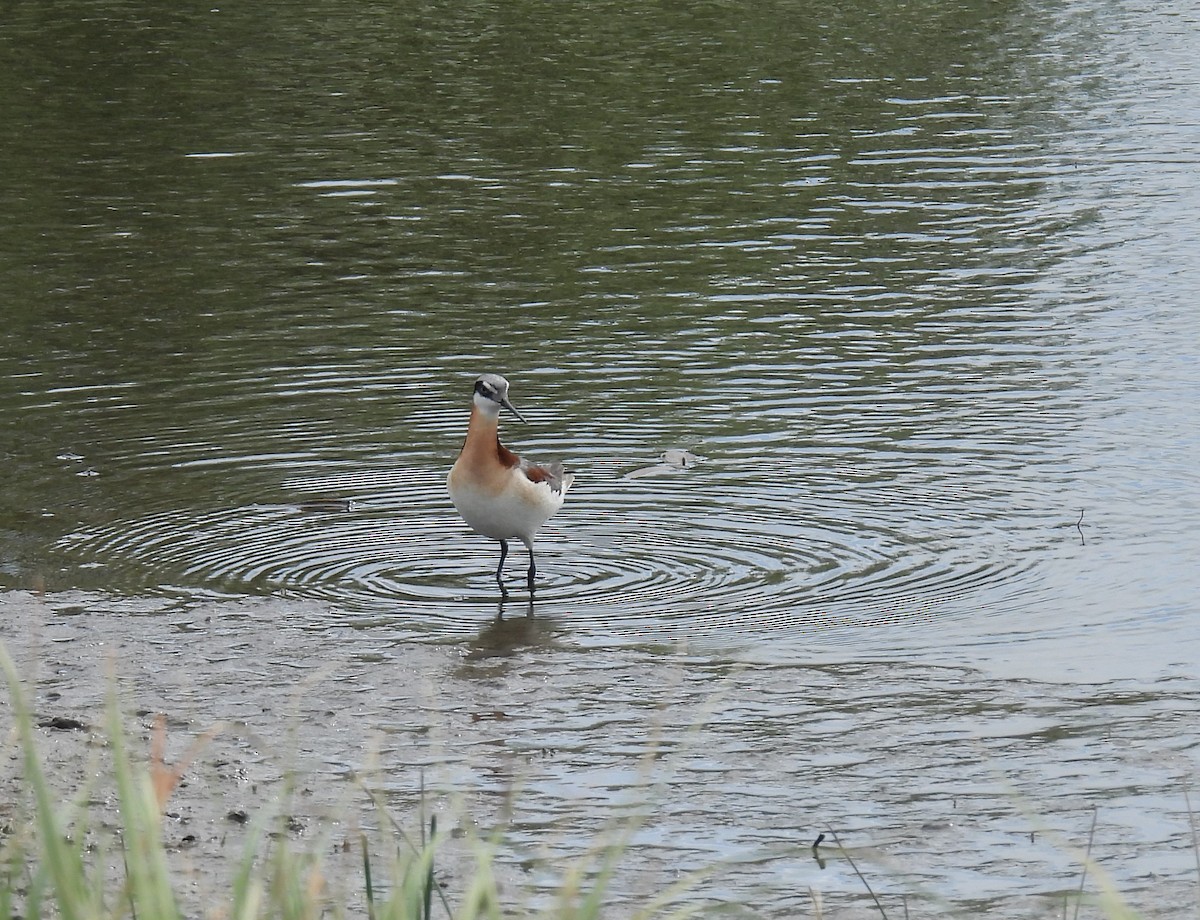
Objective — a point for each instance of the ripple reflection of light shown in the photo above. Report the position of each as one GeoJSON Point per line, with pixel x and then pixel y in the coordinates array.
{"type": "Point", "coordinates": [682, 555]}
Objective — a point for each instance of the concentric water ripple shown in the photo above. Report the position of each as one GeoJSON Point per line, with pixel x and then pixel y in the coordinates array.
{"type": "Point", "coordinates": [898, 312]}
{"type": "Point", "coordinates": [679, 553]}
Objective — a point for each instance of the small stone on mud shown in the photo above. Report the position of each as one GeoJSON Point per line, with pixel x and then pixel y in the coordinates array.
{"type": "Point", "coordinates": [63, 724]}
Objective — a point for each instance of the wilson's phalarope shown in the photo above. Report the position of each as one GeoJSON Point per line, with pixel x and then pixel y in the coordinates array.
{"type": "Point", "coordinates": [498, 494]}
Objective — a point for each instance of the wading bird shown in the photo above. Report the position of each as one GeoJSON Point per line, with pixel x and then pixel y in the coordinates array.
{"type": "Point", "coordinates": [497, 493]}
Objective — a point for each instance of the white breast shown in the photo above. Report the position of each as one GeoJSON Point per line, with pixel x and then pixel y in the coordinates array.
{"type": "Point", "coordinates": [515, 511]}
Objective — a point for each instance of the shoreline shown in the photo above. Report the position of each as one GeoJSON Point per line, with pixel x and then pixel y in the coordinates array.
{"type": "Point", "coordinates": [286, 730]}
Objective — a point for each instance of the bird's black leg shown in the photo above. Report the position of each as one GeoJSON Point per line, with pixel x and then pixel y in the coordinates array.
{"type": "Point", "coordinates": [500, 567]}
{"type": "Point", "coordinates": [532, 570]}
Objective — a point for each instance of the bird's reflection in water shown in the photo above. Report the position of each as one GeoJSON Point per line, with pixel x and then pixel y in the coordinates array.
{"type": "Point", "coordinates": [506, 636]}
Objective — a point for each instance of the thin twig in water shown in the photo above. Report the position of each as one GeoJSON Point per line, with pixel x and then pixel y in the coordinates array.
{"type": "Point", "coordinates": [426, 844]}
{"type": "Point", "coordinates": [429, 871]}
{"type": "Point", "coordinates": [1086, 857]}
{"type": "Point", "coordinates": [1082, 541]}
{"type": "Point", "coordinates": [861, 877]}
{"type": "Point", "coordinates": [367, 878]}
{"type": "Point", "coordinates": [1195, 838]}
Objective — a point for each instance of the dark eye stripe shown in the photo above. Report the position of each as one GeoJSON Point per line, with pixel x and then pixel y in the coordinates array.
{"type": "Point", "coordinates": [485, 389]}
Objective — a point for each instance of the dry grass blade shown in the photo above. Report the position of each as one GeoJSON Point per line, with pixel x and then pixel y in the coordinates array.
{"type": "Point", "coordinates": [862, 878]}
{"type": "Point", "coordinates": [163, 778]}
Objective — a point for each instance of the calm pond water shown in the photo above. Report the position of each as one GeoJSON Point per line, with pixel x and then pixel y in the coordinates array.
{"type": "Point", "coordinates": [916, 283]}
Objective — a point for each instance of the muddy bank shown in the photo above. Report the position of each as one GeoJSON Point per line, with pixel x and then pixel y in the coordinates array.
{"type": "Point", "coordinates": [960, 792]}
{"type": "Point", "coordinates": [291, 708]}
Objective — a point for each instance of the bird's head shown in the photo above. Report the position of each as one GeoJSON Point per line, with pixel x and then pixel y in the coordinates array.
{"type": "Point", "coordinates": [491, 392]}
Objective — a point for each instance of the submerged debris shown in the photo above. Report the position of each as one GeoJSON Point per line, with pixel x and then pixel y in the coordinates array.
{"type": "Point", "coordinates": [63, 724]}
{"type": "Point", "coordinates": [324, 505]}
{"type": "Point", "coordinates": [671, 461]}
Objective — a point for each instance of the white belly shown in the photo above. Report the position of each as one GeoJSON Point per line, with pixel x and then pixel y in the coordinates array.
{"type": "Point", "coordinates": [515, 511]}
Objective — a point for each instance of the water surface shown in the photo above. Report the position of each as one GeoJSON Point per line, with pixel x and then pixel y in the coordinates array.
{"type": "Point", "coordinates": [917, 285]}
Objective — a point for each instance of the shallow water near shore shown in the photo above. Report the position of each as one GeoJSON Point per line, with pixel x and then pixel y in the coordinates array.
{"type": "Point", "coordinates": [916, 289]}
{"type": "Point", "coordinates": [937, 778]}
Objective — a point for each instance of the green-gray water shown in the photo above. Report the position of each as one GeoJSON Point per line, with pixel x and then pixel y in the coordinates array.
{"type": "Point", "coordinates": [918, 283]}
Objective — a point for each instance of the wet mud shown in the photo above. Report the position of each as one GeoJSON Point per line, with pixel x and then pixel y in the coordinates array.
{"type": "Point", "coordinates": [953, 790]}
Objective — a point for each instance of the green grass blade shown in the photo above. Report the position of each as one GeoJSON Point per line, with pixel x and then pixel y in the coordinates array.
{"type": "Point", "coordinates": [149, 878]}
{"type": "Point", "coordinates": [62, 858]}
